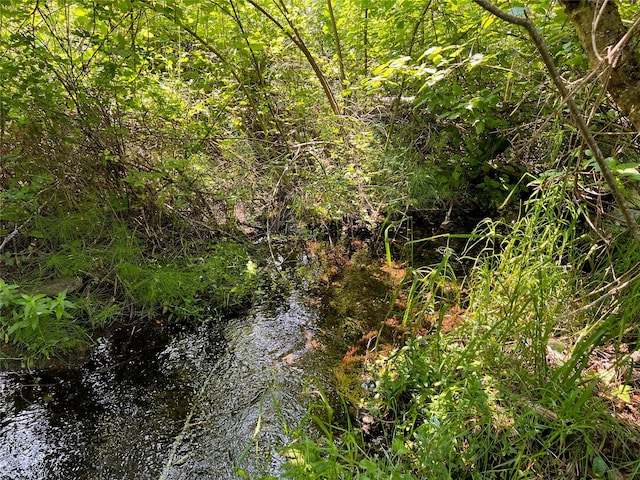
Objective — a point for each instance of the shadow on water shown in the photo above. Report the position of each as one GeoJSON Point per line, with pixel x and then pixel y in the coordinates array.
{"type": "Point", "coordinates": [190, 405]}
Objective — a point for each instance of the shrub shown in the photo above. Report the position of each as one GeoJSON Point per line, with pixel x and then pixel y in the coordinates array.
{"type": "Point", "coordinates": [37, 325]}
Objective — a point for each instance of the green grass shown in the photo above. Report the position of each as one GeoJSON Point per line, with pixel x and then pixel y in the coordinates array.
{"type": "Point", "coordinates": [184, 286]}
{"type": "Point", "coordinates": [123, 274]}
{"type": "Point", "coordinates": [96, 244]}
{"type": "Point", "coordinates": [485, 400]}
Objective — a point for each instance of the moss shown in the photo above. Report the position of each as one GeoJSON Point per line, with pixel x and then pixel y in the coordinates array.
{"type": "Point", "coordinates": [349, 378]}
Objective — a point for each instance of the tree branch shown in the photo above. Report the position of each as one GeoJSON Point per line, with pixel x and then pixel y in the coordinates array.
{"type": "Point", "coordinates": [578, 118]}
{"type": "Point", "coordinates": [297, 39]}
{"type": "Point", "coordinates": [336, 41]}
{"type": "Point", "coordinates": [8, 238]}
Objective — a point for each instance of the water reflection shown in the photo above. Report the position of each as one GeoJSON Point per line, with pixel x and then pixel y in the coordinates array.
{"type": "Point", "coordinates": [96, 421]}
{"type": "Point", "coordinates": [256, 387]}
{"type": "Point", "coordinates": [123, 414]}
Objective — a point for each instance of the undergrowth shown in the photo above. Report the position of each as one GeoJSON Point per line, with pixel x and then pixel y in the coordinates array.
{"type": "Point", "coordinates": [38, 325]}
{"type": "Point", "coordinates": [81, 272]}
{"type": "Point", "coordinates": [516, 390]}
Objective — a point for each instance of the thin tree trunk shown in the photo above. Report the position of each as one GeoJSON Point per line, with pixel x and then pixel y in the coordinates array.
{"type": "Point", "coordinates": [336, 40]}
{"type": "Point", "coordinates": [297, 39]}
{"type": "Point", "coordinates": [366, 42]}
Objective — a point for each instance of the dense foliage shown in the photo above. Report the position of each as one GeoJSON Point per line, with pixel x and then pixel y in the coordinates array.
{"type": "Point", "coordinates": [147, 147]}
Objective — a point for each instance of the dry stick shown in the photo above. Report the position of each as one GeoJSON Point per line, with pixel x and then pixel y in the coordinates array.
{"type": "Point", "coordinates": [615, 53]}
{"type": "Point", "coordinates": [8, 238]}
{"type": "Point", "coordinates": [541, 45]}
{"type": "Point", "coordinates": [594, 28]}
{"type": "Point", "coordinates": [611, 293]}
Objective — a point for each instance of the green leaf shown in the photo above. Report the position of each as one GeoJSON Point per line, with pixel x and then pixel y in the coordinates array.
{"type": "Point", "coordinates": [241, 473]}
{"type": "Point", "coordinates": [599, 467]}
{"type": "Point", "coordinates": [18, 325]}
{"type": "Point", "coordinates": [518, 11]}
{"type": "Point", "coordinates": [476, 59]}
{"type": "Point", "coordinates": [627, 170]}
{"type": "Point", "coordinates": [256, 45]}
{"type": "Point", "coordinates": [623, 392]}
{"type": "Point", "coordinates": [252, 268]}
{"type": "Point", "coordinates": [631, 173]}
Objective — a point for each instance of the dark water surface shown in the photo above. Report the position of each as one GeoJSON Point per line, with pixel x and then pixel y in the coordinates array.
{"type": "Point", "coordinates": [190, 405]}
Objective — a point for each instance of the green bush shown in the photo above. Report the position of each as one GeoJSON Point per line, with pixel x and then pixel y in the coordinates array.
{"type": "Point", "coordinates": [38, 326]}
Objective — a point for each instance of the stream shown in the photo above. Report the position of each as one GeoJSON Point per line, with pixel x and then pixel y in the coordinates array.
{"type": "Point", "coordinates": [196, 403]}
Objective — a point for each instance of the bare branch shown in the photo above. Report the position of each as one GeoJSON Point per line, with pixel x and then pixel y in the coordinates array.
{"type": "Point", "coordinates": [8, 238]}
{"type": "Point", "coordinates": [616, 51]}
{"type": "Point", "coordinates": [594, 28]}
